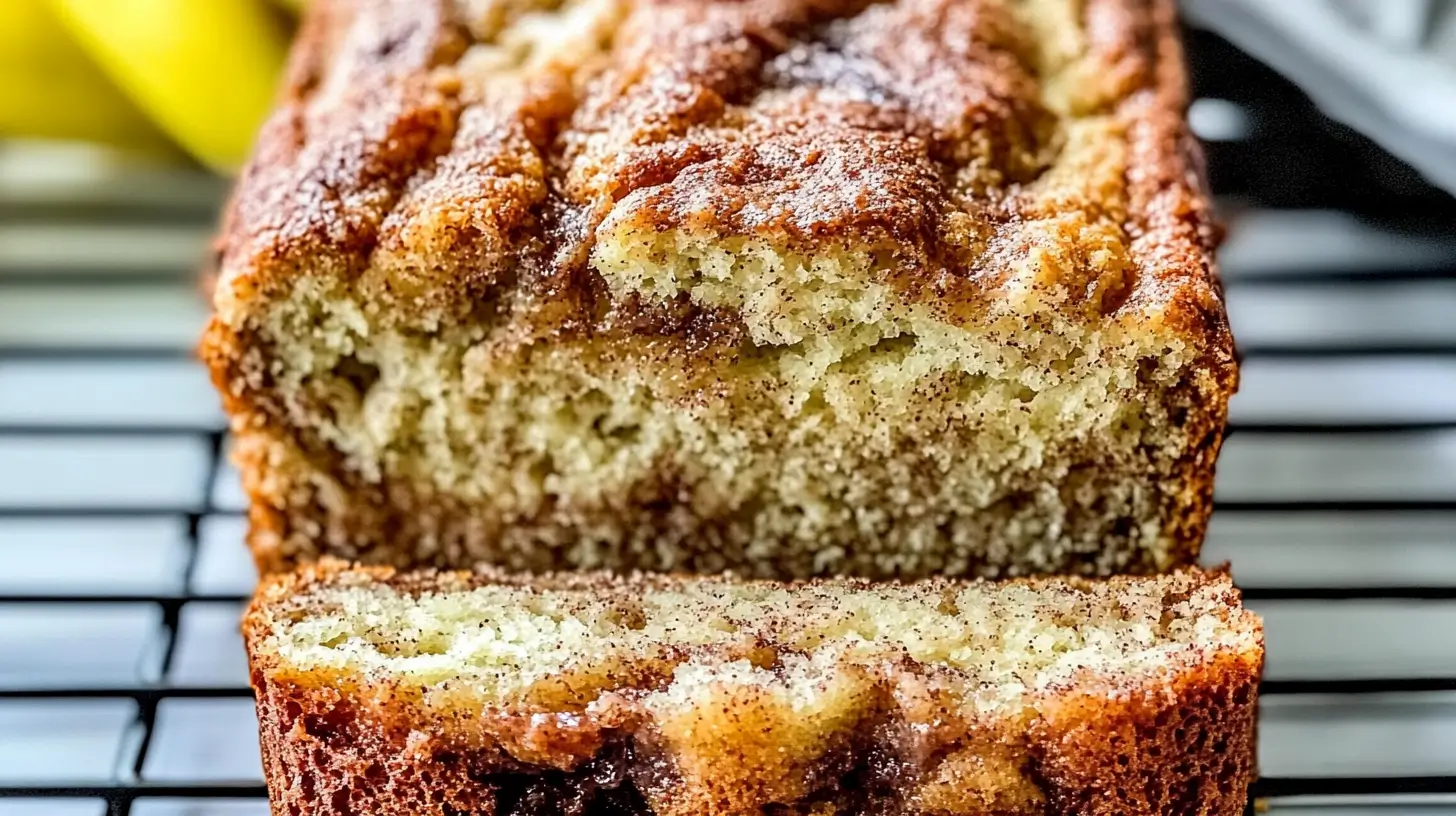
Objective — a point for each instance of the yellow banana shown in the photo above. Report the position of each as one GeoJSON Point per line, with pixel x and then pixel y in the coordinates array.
{"type": "Point", "coordinates": [204, 70]}
{"type": "Point", "coordinates": [50, 88]}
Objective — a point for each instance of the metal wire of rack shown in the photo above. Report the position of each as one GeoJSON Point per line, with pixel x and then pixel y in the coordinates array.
{"type": "Point", "coordinates": [1336, 499]}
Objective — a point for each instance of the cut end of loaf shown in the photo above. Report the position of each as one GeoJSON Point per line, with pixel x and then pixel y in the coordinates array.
{"type": "Point", "coordinates": [933, 697]}
{"type": "Point", "coordinates": [827, 427]}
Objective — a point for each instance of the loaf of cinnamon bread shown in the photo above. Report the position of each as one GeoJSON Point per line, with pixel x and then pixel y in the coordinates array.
{"type": "Point", "coordinates": [783, 287]}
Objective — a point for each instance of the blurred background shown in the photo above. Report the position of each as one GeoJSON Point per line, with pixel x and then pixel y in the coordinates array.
{"type": "Point", "coordinates": [1330, 130]}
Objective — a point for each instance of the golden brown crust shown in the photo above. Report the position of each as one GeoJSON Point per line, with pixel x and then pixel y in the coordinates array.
{"type": "Point", "coordinates": [1180, 743]}
{"type": "Point", "coordinates": [921, 122]}
{"type": "Point", "coordinates": [432, 173]}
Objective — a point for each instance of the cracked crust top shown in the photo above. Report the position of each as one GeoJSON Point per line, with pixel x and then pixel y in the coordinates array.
{"type": "Point", "coordinates": [444, 158]}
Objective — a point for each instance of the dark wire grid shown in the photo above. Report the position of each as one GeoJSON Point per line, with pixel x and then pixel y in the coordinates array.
{"type": "Point", "coordinates": [120, 793]}
{"type": "Point", "coordinates": [1287, 163]}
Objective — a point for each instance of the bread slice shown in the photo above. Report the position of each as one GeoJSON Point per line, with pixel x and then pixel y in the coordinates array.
{"type": "Point", "coordinates": [382, 692]}
{"type": "Point", "coordinates": [784, 287]}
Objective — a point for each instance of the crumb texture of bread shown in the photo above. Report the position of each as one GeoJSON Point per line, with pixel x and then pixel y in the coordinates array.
{"type": "Point", "coordinates": [390, 693]}
{"type": "Point", "coordinates": [782, 287]}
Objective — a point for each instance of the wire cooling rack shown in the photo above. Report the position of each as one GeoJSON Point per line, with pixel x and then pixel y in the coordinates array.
{"type": "Point", "coordinates": [122, 573]}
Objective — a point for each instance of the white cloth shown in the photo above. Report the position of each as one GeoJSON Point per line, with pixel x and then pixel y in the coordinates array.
{"type": "Point", "coordinates": [1384, 67]}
